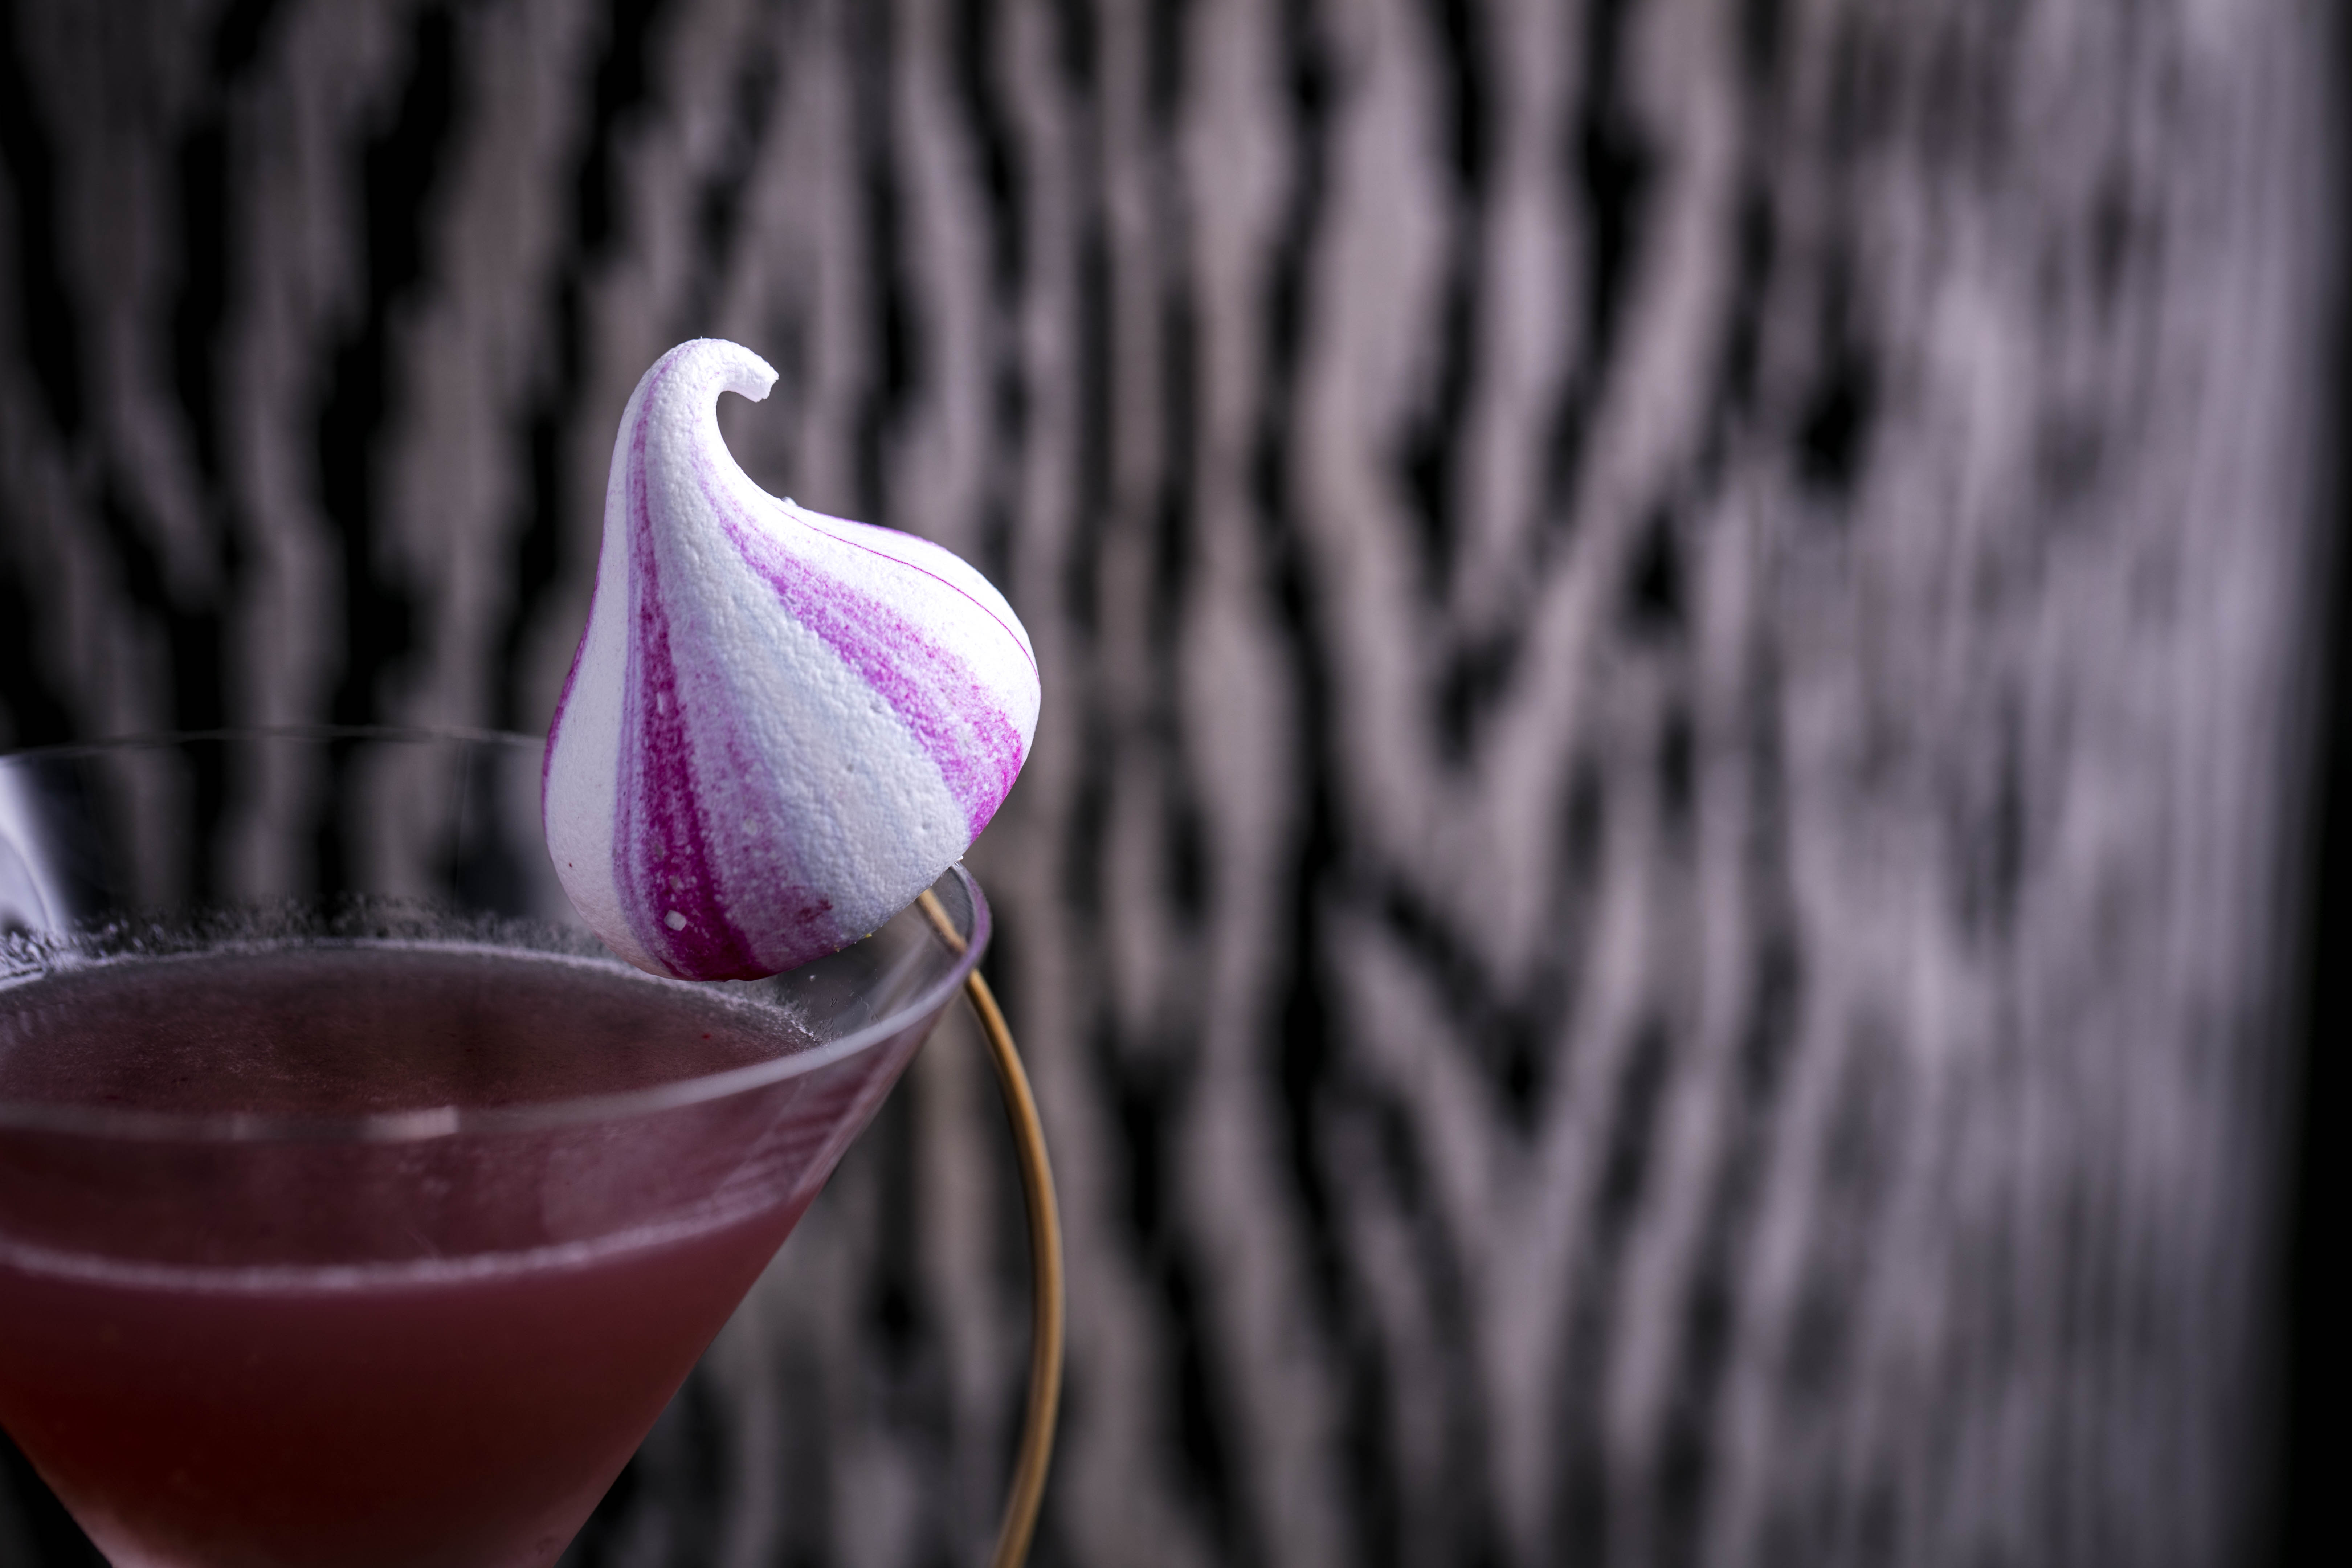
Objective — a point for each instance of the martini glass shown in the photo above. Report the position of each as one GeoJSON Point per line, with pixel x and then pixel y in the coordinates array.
{"type": "Point", "coordinates": [356, 1207]}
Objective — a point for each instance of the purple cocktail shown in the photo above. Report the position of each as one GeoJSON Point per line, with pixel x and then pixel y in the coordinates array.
{"type": "Point", "coordinates": [369, 1228]}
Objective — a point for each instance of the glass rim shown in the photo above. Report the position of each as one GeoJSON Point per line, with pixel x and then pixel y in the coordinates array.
{"type": "Point", "coordinates": [427, 1123]}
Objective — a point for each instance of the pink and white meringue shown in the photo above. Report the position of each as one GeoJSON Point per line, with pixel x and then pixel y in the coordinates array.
{"type": "Point", "coordinates": [780, 727]}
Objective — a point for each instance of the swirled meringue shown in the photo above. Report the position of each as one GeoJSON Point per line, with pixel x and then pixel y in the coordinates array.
{"type": "Point", "coordinates": [779, 727]}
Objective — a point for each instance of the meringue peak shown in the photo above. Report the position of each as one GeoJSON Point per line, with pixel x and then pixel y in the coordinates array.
{"type": "Point", "coordinates": [779, 727]}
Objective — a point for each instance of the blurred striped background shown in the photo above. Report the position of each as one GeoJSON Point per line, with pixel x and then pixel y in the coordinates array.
{"type": "Point", "coordinates": [1659, 906]}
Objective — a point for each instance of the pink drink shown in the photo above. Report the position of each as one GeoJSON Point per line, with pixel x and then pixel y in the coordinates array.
{"type": "Point", "coordinates": [435, 1345]}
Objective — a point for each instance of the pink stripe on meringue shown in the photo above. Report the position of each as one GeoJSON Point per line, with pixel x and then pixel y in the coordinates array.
{"type": "Point", "coordinates": [662, 857]}
{"type": "Point", "coordinates": [933, 692]}
{"type": "Point", "coordinates": [817, 521]}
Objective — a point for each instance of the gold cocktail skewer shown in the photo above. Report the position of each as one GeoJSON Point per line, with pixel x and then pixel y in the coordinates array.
{"type": "Point", "coordinates": [1036, 1452]}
